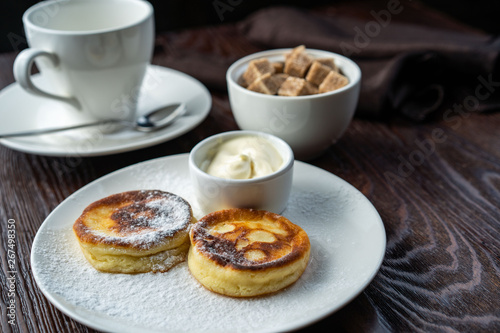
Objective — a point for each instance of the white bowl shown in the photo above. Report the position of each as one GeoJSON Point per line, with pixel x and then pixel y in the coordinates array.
{"type": "Point", "coordinates": [269, 192]}
{"type": "Point", "coordinates": [309, 124]}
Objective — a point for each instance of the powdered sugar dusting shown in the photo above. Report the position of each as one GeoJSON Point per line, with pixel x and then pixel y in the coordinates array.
{"type": "Point", "coordinates": [172, 301]}
{"type": "Point", "coordinates": [175, 301]}
{"type": "Point", "coordinates": [149, 220]}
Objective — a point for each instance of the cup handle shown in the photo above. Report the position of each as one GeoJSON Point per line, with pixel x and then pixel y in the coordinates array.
{"type": "Point", "coordinates": [22, 74]}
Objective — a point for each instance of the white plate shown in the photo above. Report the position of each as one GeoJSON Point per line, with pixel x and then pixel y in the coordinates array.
{"type": "Point", "coordinates": [21, 111]}
{"type": "Point", "coordinates": [347, 247]}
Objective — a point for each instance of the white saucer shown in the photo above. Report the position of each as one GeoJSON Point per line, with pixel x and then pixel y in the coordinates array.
{"type": "Point", "coordinates": [347, 247]}
{"type": "Point", "coordinates": [20, 111]}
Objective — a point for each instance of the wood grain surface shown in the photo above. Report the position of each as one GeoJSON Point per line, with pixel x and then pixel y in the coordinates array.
{"type": "Point", "coordinates": [436, 186]}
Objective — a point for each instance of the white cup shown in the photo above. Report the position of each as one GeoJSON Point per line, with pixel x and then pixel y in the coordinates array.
{"type": "Point", "coordinates": [92, 53]}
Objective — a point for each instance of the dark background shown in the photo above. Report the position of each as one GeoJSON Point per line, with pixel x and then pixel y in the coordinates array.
{"type": "Point", "coordinates": [181, 14]}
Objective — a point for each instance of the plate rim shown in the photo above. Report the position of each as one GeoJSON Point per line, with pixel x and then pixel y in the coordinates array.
{"type": "Point", "coordinates": [24, 147]}
{"type": "Point", "coordinates": [294, 325]}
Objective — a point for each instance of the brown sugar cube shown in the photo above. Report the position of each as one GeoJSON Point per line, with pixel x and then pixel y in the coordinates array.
{"type": "Point", "coordinates": [278, 67]}
{"type": "Point", "coordinates": [279, 78]}
{"type": "Point", "coordinates": [298, 62]}
{"type": "Point", "coordinates": [328, 62]}
{"type": "Point", "coordinates": [317, 73]}
{"type": "Point", "coordinates": [242, 82]}
{"type": "Point", "coordinates": [333, 81]}
{"type": "Point", "coordinates": [295, 86]}
{"type": "Point", "coordinates": [313, 89]}
{"type": "Point", "coordinates": [257, 68]}
{"type": "Point", "coordinates": [265, 84]}
{"type": "Point", "coordinates": [298, 49]}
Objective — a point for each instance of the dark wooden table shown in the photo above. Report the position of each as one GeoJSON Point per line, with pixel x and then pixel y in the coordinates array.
{"type": "Point", "coordinates": [438, 195]}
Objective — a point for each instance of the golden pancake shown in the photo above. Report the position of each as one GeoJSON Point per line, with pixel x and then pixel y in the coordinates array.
{"type": "Point", "coordinates": [135, 232]}
{"type": "Point", "coordinates": [247, 252]}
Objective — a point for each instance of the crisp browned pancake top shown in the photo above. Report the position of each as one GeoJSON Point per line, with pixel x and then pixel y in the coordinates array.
{"type": "Point", "coordinates": [134, 219]}
{"type": "Point", "coordinates": [249, 239]}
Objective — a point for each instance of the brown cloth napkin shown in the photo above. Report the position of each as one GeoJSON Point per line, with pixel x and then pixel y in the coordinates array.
{"type": "Point", "coordinates": [407, 68]}
{"type": "Point", "coordinates": [414, 62]}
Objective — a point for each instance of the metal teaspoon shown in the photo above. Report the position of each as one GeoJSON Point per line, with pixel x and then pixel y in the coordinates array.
{"type": "Point", "coordinates": [149, 122]}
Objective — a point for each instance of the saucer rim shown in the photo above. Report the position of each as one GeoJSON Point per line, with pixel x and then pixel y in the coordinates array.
{"type": "Point", "coordinates": [22, 145]}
